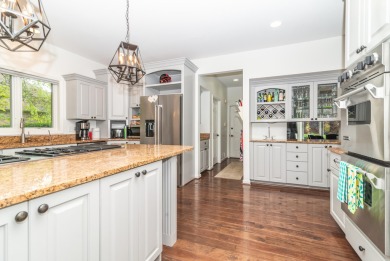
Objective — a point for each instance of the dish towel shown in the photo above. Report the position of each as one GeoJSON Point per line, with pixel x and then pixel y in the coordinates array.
{"type": "Point", "coordinates": [360, 190]}
{"type": "Point", "coordinates": [342, 188]}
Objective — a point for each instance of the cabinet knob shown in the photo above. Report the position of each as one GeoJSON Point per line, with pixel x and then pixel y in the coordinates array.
{"type": "Point", "coordinates": [137, 174]}
{"type": "Point", "coordinates": [297, 166]}
{"type": "Point", "coordinates": [271, 145]}
{"type": "Point", "coordinates": [315, 118]}
{"type": "Point", "coordinates": [21, 216]}
{"type": "Point", "coordinates": [297, 178]}
{"type": "Point", "coordinates": [296, 156]}
{"type": "Point", "coordinates": [43, 208]}
{"type": "Point", "coordinates": [328, 170]}
{"type": "Point", "coordinates": [326, 147]}
{"type": "Point", "coordinates": [311, 118]}
{"type": "Point", "coordinates": [297, 147]}
{"type": "Point", "coordinates": [362, 249]}
{"type": "Point", "coordinates": [330, 146]}
{"type": "Point", "coordinates": [144, 171]}
{"type": "Point", "coordinates": [267, 144]}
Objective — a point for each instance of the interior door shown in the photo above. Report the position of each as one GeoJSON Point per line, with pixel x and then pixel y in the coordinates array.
{"type": "Point", "coordinates": [216, 132]}
{"type": "Point", "coordinates": [234, 132]}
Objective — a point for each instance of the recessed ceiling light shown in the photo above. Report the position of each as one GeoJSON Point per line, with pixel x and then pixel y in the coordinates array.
{"type": "Point", "coordinates": [235, 80]}
{"type": "Point", "coordinates": [276, 23]}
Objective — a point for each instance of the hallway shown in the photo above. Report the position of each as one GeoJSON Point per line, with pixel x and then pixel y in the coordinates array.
{"type": "Point", "coordinates": [221, 219]}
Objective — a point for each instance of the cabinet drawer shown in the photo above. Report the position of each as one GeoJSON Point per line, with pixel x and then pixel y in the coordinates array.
{"type": "Point", "coordinates": [296, 166]}
{"type": "Point", "coordinates": [334, 160]}
{"type": "Point", "coordinates": [204, 144]}
{"type": "Point", "coordinates": [295, 177]}
{"type": "Point", "coordinates": [296, 147]}
{"type": "Point", "coordinates": [297, 156]}
{"type": "Point", "coordinates": [358, 239]}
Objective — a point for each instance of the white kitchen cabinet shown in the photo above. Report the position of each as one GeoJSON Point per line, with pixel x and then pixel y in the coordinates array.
{"type": "Point", "coordinates": [269, 162]}
{"type": "Point", "coordinates": [367, 25]}
{"type": "Point", "coordinates": [306, 97]}
{"type": "Point", "coordinates": [13, 234]}
{"type": "Point", "coordinates": [150, 211]}
{"type": "Point", "coordinates": [204, 155]}
{"type": "Point", "coordinates": [118, 96]}
{"type": "Point", "coordinates": [123, 142]}
{"type": "Point", "coordinates": [135, 92]}
{"type": "Point", "coordinates": [119, 217]}
{"type": "Point", "coordinates": [131, 214]}
{"type": "Point", "coordinates": [65, 225]}
{"type": "Point", "coordinates": [318, 165]}
{"type": "Point", "coordinates": [335, 205]}
{"type": "Point", "coordinates": [85, 98]}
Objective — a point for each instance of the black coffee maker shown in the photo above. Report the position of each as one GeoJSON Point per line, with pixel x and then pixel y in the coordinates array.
{"type": "Point", "coordinates": [82, 129]}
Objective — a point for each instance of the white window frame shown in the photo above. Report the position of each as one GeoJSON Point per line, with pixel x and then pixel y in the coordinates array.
{"type": "Point", "coordinates": [16, 105]}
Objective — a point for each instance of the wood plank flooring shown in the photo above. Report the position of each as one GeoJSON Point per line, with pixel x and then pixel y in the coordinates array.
{"type": "Point", "coordinates": [221, 219]}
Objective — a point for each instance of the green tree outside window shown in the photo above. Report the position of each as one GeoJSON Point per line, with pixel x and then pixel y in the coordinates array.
{"type": "Point", "coordinates": [37, 103]}
{"type": "Point", "coordinates": [5, 100]}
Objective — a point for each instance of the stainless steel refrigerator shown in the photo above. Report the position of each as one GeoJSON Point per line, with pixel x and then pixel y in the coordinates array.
{"type": "Point", "coordinates": [161, 123]}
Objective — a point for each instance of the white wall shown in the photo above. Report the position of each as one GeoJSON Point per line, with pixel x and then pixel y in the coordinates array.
{"type": "Point", "coordinates": [205, 111]}
{"type": "Point", "coordinates": [219, 92]}
{"type": "Point", "coordinates": [51, 62]}
{"type": "Point", "coordinates": [314, 56]}
{"type": "Point", "coordinates": [234, 94]}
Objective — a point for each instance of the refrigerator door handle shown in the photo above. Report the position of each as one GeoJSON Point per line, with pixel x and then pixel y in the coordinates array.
{"type": "Point", "coordinates": [156, 129]}
{"type": "Point", "coordinates": [159, 129]}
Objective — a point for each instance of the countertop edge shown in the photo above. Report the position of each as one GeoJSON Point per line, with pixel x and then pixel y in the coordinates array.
{"type": "Point", "coordinates": [29, 195]}
{"type": "Point", "coordinates": [297, 141]}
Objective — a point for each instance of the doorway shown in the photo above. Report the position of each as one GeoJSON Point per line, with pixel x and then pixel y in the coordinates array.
{"type": "Point", "coordinates": [216, 131]}
{"type": "Point", "coordinates": [235, 127]}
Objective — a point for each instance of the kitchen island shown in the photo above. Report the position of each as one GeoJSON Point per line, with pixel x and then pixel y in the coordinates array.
{"type": "Point", "coordinates": [107, 205]}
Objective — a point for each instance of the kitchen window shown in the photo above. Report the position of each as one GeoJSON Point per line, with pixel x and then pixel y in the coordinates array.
{"type": "Point", "coordinates": [30, 97]}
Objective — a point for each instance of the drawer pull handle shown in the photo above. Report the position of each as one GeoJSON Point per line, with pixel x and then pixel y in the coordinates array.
{"type": "Point", "coordinates": [144, 171]}
{"type": "Point", "coordinates": [137, 174]}
{"type": "Point", "coordinates": [21, 216]}
{"type": "Point", "coordinates": [297, 156]}
{"type": "Point", "coordinates": [297, 178]}
{"type": "Point", "coordinates": [43, 208]}
{"type": "Point", "coordinates": [297, 166]}
{"type": "Point", "coordinates": [362, 249]}
{"type": "Point", "coordinates": [336, 161]}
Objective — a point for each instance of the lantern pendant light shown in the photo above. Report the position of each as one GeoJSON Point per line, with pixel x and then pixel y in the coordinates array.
{"type": "Point", "coordinates": [126, 65]}
{"type": "Point", "coordinates": [23, 25]}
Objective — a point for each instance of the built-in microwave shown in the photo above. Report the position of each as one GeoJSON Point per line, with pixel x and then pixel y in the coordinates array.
{"type": "Point", "coordinates": [359, 113]}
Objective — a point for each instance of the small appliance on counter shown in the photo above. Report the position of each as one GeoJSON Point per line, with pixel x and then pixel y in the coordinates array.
{"type": "Point", "coordinates": [82, 129]}
{"type": "Point", "coordinates": [117, 129]}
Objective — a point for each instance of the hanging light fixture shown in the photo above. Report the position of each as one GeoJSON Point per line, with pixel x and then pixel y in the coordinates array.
{"type": "Point", "coordinates": [23, 25]}
{"type": "Point", "coordinates": [126, 65]}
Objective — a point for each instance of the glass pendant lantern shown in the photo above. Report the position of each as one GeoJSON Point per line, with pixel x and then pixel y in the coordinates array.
{"type": "Point", "coordinates": [126, 65]}
{"type": "Point", "coordinates": [23, 25]}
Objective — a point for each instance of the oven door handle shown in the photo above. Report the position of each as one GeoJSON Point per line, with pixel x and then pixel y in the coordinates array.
{"type": "Point", "coordinates": [376, 182]}
{"type": "Point", "coordinates": [376, 92]}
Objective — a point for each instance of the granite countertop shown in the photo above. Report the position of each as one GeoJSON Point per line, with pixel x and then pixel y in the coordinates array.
{"type": "Point", "coordinates": [23, 181]}
{"type": "Point", "coordinates": [338, 151]}
{"type": "Point", "coordinates": [47, 142]}
{"type": "Point", "coordinates": [336, 142]}
{"type": "Point", "coordinates": [204, 136]}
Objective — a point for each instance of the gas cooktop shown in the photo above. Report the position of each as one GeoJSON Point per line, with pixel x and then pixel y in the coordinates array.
{"type": "Point", "coordinates": [8, 159]}
{"type": "Point", "coordinates": [70, 150]}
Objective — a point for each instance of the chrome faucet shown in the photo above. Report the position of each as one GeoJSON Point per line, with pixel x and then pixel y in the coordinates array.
{"type": "Point", "coordinates": [23, 134]}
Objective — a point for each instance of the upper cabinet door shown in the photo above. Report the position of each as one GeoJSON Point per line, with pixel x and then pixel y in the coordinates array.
{"type": "Point", "coordinates": [325, 93]}
{"type": "Point", "coordinates": [378, 21]}
{"type": "Point", "coordinates": [84, 100]}
{"type": "Point", "coordinates": [354, 30]}
{"type": "Point", "coordinates": [119, 99]}
{"type": "Point", "coordinates": [301, 101]}
{"type": "Point", "coordinates": [100, 103]}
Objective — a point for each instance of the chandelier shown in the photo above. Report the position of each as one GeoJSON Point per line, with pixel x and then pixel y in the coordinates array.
{"type": "Point", "coordinates": [126, 65]}
{"type": "Point", "coordinates": [23, 25]}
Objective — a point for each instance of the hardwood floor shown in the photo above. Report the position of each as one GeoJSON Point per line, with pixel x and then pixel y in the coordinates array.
{"type": "Point", "coordinates": [221, 219]}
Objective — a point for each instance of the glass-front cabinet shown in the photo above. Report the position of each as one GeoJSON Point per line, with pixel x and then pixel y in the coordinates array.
{"type": "Point", "coordinates": [269, 103]}
{"type": "Point", "coordinates": [301, 101]}
{"type": "Point", "coordinates": [325, 93]}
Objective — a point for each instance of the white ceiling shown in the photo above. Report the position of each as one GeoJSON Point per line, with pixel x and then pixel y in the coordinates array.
{"type": "Point", "coordinates": [188, 28]}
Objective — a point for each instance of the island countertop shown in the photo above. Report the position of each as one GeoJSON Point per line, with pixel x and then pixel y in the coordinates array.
{"type": "Point", "coordinates": [23, 181]}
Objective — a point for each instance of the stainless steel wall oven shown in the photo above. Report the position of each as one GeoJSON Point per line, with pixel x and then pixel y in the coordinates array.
{"type": "Point", "coordinates": [366, 136]}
